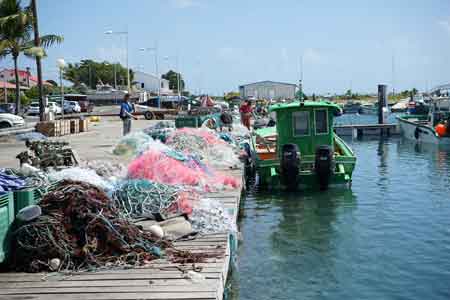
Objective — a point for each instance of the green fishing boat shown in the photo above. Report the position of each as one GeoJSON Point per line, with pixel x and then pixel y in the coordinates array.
{"type": "Point", "coordinates": [302, 151]}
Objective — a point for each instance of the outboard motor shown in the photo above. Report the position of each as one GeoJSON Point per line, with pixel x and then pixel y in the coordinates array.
{"type": "Point", "coordinates": [290, 165]}
{"type": "Point", "coordinates": [324, 165]}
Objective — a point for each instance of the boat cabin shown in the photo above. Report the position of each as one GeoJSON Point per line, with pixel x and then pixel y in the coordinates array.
{"type": "Point", "coordinates": [306, 124]}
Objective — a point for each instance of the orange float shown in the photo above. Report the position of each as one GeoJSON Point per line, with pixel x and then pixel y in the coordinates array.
{"type": "Point", "coordinates": [440, 129]}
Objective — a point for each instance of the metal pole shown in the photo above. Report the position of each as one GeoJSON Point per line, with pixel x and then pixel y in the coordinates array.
{"type": "Point", "coordinates": [5, 90]}
{"type": "Point", "coordinates": [128, 70]}
{"type": "Point", "coordinates": [115, 77]}
{"type": "Point", "coordinates": [157, 74]}
{"type": "Point", "coordinates": [62, 92]}
{"type": "Point", "coordinates": [382, 92]}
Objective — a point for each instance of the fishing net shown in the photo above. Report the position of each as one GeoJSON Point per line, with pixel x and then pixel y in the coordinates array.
{"type": "Point", "coordinates": [142, 198]}
{"type": "Point", "coordinates": [161, 130]}
{"type": "Point", "coordinates": [80, 227]}
{"type": "Point", "coordinates": [107, 170]}
{"type": "Point", "coordinates": [206, 145]}
{"type": "Point", "coordinates": [209, 216]}
{"type": "Point", "coordinates": [136, 143]}
{"type": "Point", "coordinates": [81, 174]}
{"type": "Point", "coordinates": [174, 168]}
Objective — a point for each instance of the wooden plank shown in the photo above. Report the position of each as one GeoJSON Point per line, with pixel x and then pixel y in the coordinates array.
{"type": "Point", "coordinates": [111, 276]}
{"type": "Point", "coordinates": [111, 289]}
{"type": "Point", "coordinates": [106, 283]}
{"type": "Point", "coordinates": [113, 296]}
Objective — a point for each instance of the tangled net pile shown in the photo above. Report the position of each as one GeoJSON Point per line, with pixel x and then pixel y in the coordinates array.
{"type": "Point", "coordinates": [80, 227]}
{"type": "Point", "coordinates": [142, 198]}
{"type": "Point", "coordinates": [184, 141]}
{"type": "Point", "coordinates": [205, 145]}
{"type": "Point", "coordinates": [161, 130]}
{"type": "Point", "coordinates": [173, 168]}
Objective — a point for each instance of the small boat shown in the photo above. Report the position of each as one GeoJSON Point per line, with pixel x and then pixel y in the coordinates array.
{"type": "Point", "coordinates": [432, 127]}
{"type": "Point", "coordinates": [302, 150]}
{"type": "Point", "coordinates": [352, 107]}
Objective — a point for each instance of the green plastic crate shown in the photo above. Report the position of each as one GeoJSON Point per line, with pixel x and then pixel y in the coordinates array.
{"type": "Point", "coordinates": [24, 198]}
{"type": "Point", "coordinates": [6, 218]}
{"type": "Point", "coordinates": [187, 121]}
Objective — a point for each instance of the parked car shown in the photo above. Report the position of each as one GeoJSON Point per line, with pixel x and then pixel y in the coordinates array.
{"type": "Point", "coordinates": [55, 108]}
{"type": "Point", "coordinates": [86, 106]}
{"type": "Point", "coordinates": [71, 107]}
{"type": "Point", "coordinates": [8, 107]}
{"type": "Point", "coordinates": [8, 120]}
{"type": "Point", "coordinates": [33, 109]}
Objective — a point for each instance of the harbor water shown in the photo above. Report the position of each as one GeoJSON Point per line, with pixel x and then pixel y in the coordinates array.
{"type": "Point", "coordinates": [388, 237]}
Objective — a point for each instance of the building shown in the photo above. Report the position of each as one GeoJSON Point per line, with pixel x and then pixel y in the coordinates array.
{"type": "Point", "coordinates": [268, 90]}
{"type": "Point", "coordinates": [25, 77]}
{"type": "Point", "coordinates": [148, 82]}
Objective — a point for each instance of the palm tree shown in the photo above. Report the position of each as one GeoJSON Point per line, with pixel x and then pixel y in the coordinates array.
{"type": "Point", "coordinates": [16, 28]}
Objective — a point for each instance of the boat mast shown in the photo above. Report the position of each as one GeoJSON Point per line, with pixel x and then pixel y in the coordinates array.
{"type": "Point", "coordinates": [300, 84]}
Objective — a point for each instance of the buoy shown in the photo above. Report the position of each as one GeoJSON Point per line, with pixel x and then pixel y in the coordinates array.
{"type": "Point", "coordinates": [157, 231]}
{"type": "Point", "coordinates": [440, 129]}
{"type": "Point", "coordinates": [54, 264]}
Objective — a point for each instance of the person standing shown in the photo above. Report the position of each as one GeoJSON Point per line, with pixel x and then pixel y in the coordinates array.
{"type": "Point", "coordinates": [126, 113]}
{"type": "Point", "coordinates": [246, 113]}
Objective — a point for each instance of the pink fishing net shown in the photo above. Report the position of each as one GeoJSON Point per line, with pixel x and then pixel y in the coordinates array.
{"type": "Point", "coordinates": [160, 167]}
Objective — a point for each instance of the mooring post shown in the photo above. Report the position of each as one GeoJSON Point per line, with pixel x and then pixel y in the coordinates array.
{"type": "Point", "coordinates": [382, 101]}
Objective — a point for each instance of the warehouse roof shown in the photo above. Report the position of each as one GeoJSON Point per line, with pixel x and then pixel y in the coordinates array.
{"type": "Point", "coordinates": [268, 81]}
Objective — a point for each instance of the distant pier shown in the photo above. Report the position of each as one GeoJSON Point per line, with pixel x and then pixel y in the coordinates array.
{"type": "Point", "coordinates": [360, 130]}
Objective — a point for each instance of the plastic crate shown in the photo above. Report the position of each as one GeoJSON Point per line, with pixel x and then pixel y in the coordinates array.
{"type": "Point", "coordinates": [6, 218]}
{"type": "Point", "coordinates": [188, 121]}
{"type": "Point", "coordinates": [25, 198]}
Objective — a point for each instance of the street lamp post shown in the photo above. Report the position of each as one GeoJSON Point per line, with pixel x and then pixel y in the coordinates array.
{"type": "Point", "coordinates": [156, 70]}
{"type": "Point", "coordinates": [166, 58]}
{"type": "Point", "coordinates": [61, 64]}
{"type": "Point", "coordinates": [126, 41]}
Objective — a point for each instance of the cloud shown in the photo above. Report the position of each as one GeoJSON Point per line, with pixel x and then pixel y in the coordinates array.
{"type": "Point", "coordinates": [445, 24]}
{"type": "Point", "coordinates": [313, 56]}
{"type": "Point", "coordinates": [185, 3]}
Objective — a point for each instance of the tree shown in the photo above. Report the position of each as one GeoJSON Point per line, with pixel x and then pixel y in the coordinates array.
{"type": "Point", "coordinates": [90, 73]}
{"type": "Point", "coordinates": [231, 95]}
{"type": "Point", "coordinates": [414, 91]}
{"type": "Point", "coordinates": [172, 76]}
{"type": "Point", "coordinates": [15, 36]}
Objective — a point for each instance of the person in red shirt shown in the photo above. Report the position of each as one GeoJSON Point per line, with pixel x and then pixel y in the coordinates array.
{"type": "Point", "coordinates": [246, 113]}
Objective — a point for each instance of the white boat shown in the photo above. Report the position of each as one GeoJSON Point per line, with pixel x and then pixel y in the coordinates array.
{"type": "Point", "coordinates": [421, 128]}
{"type": "Point", "coordinates": [105, 92]}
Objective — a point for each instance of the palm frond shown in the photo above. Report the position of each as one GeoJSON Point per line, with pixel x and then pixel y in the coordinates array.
{"type": "Point", "coordinates": [50, 39]}
{"type": "Point", "coordinates": [35, 52]}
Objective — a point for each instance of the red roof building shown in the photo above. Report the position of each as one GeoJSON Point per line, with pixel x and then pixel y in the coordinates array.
{"type": "Point", "coordinates": [25, 78]}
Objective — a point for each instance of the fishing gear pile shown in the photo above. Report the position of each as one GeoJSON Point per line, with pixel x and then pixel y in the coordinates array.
{"type": "Point", "coordinates": [134, 144]}
{"type": "Point", "coordinates": [80, 229]}
{"type": "Point", "coordinates": [174, 168]}
{"type": "Point", "coordinates": [161, 130]}
{"type": "Point", "coordinates": [142, 198]}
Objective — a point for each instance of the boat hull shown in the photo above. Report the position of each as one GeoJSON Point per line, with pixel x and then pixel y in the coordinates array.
{"type": "Point", "coordinates": [420, 133]}
{"type": "Point", "coordinates": [268, 170]}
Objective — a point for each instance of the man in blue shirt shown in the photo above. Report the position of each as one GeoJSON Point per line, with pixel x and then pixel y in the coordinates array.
{"type": "Point", "coordinates": [126, 110]}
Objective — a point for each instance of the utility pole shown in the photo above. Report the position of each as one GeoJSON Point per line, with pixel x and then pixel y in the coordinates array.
{"type": "Point", "coordinates": [37, 43]}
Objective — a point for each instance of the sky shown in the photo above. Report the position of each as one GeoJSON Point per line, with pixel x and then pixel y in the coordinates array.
{"type": "Point", "coordinates": [218, 45]}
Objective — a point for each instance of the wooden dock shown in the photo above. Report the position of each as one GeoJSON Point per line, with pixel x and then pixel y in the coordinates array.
{"type": "Point", "coordinates": [360, 130]}
{"type": "Point", "coordinates": [159, 280]}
